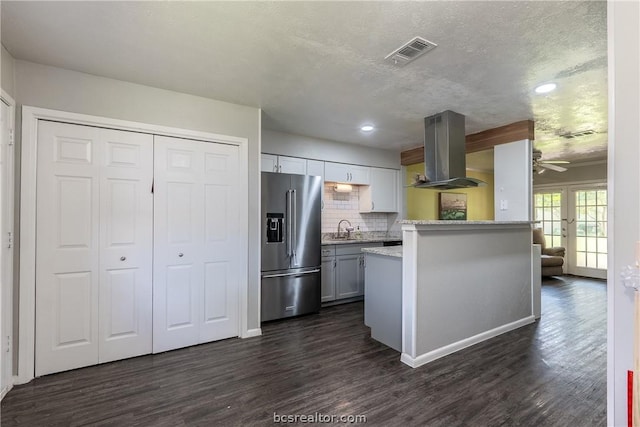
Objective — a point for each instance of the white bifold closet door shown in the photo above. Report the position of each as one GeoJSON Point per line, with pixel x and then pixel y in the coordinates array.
{"type": "Point", "coordinates": [196, 249]}
{"type": "Point", "coordinates": [94, 246]}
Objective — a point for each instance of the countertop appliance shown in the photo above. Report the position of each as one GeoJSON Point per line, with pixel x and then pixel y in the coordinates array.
{"type": "Point", "coordinates": [291, 240]}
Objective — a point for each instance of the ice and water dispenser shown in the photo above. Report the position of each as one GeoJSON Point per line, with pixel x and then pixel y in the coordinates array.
{"type": "Point", "coordinates": [275, 227]}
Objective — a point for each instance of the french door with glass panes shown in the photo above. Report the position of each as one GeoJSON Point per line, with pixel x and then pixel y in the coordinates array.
{"type": "Point", "coordinates": [588, 231]}
{"type": "Point", "coordinates": [550, 212]}
{"type": "Point", "coordinates": [575, 217]}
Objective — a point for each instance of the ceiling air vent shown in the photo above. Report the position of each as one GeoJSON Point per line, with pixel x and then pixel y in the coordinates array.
{"type": "Point", "coordinates": [409, 51]}
{"type": "Point", "coordinates": [571, 135]}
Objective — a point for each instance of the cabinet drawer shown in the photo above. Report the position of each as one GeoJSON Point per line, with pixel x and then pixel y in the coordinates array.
{"type": "Point", "coordinates": [327, 251]}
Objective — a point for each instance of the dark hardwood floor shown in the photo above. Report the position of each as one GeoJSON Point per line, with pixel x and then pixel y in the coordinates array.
{"type": "Point", "coordinates": [551, 373]}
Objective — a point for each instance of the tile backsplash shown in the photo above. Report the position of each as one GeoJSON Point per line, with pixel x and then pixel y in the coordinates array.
{"type": "Point", "coordinates": [339, 206]}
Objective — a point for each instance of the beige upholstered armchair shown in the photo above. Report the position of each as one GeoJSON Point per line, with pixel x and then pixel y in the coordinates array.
{"type": "Point", "coordinates": [551, 259]}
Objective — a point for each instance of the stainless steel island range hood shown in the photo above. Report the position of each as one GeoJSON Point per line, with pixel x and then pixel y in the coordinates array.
{"type": "Point", "coordinates": [444, 153]}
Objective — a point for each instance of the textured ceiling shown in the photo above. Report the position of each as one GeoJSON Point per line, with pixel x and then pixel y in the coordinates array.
{"type": "Point", "coordinates": [318, 69]}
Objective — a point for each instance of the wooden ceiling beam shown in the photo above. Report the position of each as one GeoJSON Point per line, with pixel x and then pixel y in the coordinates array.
{"type": "Point", "coordinates": [480, 141]}
{"type": "Point", "coordinates": [501, 135]}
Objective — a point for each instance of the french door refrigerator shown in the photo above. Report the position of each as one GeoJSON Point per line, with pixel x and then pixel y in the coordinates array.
{"type": "Point", "coordinates": [290, 279]}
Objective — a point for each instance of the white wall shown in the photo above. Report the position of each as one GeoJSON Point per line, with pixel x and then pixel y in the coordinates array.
{"type": "Point", "coordinates": [512, 181]}
{"type": "Point", "coordinates": [624, 198]}
{"type": "Point", "coordinates": [59, 89]}
{"type": "Point", "coordinates": [7, 73]}
{"type": "Point", "coordinates": [286, 144]}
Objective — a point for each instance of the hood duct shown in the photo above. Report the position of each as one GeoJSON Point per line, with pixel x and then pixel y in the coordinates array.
{"type": "Point", "coordinates": [444, 153]}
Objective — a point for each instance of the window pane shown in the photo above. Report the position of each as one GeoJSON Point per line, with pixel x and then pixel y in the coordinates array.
{"type": "Point", "coordinates": [547, 214]}
{"type": "Point", "coordinates": [581, 244]}
{"type": "Point", "coordinates": [546, 227]}
{"type": "Point", "coordinates": [580, 229]}
{"type": "Point", "coordinates": [602, 229]}
{"type": "Point", "coordinates": [602, 261]}
{"type": "Point", "coordinates": [581, 259]}
{"type": "Point", "coordinates": [591, 229]}
{"type": "Point", "coordinates": [538, 216]}
{"type": "Point", "coordinates": [557, 241]}
{"type": "Point", "coordinates": [557, 216]}
{"type": "Point", "coordinates": [592, 260]}
{"type": "Point", "coordinates": [591, 197]}
{"type": "Point", "coordinates": [602, 213]}
{"type": "Point", "coordinates": [602, 197]}
{"type": "Point", "coordinates": [602, 245]}
{"type": "Point", "coordinates": [582, 213]}
{"type": "Point", "coordinates": [546, 199]}
{"type": "Point", "coordinates": [557, 228]}
{"type": "Point", "coordinates": [592, 243]}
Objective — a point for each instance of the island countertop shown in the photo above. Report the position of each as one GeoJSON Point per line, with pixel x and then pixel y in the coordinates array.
{"type": "Point", "coordinates": [392, 251]}
{"type": "Point", "coordinates": [430, 224]}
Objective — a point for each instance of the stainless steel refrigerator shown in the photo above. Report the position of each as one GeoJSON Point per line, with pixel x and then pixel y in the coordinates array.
{"type": "Point", "coordinates": [290, 245]}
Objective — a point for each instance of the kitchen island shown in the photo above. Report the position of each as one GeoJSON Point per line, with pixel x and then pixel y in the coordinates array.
{"type": "Point", "coordinates": [462, 282]}
{"type": "Point", "coordinates": [383, 294]}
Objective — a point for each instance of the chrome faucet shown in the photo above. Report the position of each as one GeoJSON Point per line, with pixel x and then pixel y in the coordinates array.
{"type": "Point", "coordinates": [348, 229]}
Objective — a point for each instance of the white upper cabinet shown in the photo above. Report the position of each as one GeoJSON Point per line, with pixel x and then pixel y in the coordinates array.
{"type": "Point", "coordinates": [350, 174]}
{"type": "Point", "coordinates": [283, 164]}
{"type": "Point", "coordinates": [268, 163]}
{"type": "Point", "coordinates": [382, 193]}
{"type": "Point", "coordinates": [292, 165]}
{"type": "Point", "coordinates": [315, 168]}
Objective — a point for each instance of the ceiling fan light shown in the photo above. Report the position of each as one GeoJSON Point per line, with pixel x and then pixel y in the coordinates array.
{"type": "Point", "coordinates": [366, 128]}
{"type": "Point", "coordinates": [545, 88]}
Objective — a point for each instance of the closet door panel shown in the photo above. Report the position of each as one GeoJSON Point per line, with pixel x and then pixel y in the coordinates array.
{"type": "Point", "coordinates": [126, 244]}
{"type": "Point", "coordinates": [178, 230]}
{"type": "Point", "coordinates": [67, 252]}
{"type": "Point", "coordinates": [221, 249]}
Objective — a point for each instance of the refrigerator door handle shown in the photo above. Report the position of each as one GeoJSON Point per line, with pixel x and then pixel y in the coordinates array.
{"type": "Point", "coordinates": [294, 221]}
{"type": "Point", "coordinates": [270, 276]}
{"type": "Point", "coordinates": [289, 222]}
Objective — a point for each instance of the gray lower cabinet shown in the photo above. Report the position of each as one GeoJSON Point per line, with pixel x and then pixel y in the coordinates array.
{"type": "Point", "coordinates": [349, 276]}
{"type": "Point", "coordinates": [343, 271]}
{"type": "Point", "coordinates": [328, 272]}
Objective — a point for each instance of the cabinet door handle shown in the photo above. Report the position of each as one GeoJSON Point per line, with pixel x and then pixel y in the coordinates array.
{"type": "Point", "coordinates": [373, 206]}
{"type": "Point", "coordinates": [180, 255]}
{"type": "Point", "coordinates": [123, 258]}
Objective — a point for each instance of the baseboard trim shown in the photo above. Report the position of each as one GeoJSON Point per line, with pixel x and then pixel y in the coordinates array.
{"type": "Point", "coordinates": [467, 342]}
{"type": "Point", "coordinates": [250, 333]}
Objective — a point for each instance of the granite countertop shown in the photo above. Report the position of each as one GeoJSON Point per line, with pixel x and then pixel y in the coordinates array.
{"type": "Point", "coordinates": [444, 222]}
{"type": "Point", "coordinates": [362, 237]}
{"type": "Point", "coordinates": [392, 251]}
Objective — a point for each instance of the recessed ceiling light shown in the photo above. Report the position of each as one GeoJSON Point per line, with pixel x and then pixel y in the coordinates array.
{"type": "Point", "coordinates": [545, 88]}
{"type": "Point", "coordinates": [366, 128]}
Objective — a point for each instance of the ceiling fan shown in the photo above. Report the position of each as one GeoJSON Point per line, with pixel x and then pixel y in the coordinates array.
{"type": "Point", "coordinates": [540, 166]}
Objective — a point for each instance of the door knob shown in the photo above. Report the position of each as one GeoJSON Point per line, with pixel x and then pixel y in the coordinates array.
{"type": "Point", "coordinates": [123, 258]}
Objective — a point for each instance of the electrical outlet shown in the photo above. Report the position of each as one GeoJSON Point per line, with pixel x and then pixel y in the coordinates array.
{"type": "Point", "coordinates": [504, 205]}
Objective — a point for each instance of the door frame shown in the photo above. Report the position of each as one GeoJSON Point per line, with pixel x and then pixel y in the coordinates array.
{"type": "Point", "coordinates": [27, 271]}
{"type": "Point", "coordinates": [6, 317]}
